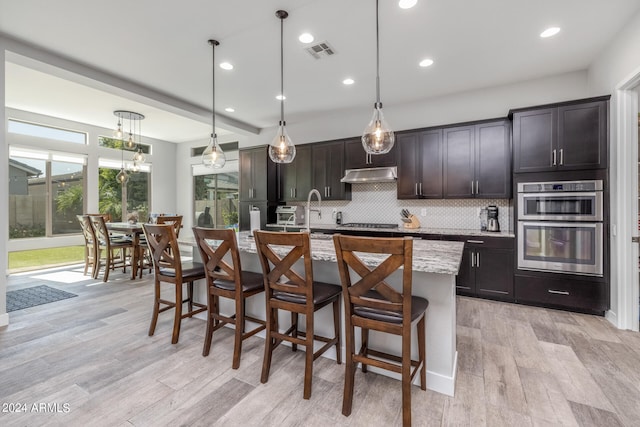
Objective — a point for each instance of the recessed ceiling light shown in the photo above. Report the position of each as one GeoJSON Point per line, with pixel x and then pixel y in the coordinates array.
{"type": "Point", "coordinates": [281, 97]}
{"type": "Point", "coordinates": [306, 38]}
{"type": "Point", "coordinates": [226, 66]}
{"type": "Point", "coordinates": [551, 31]}
{"type": "Point", "coordinates": [407, 4]}
{"type": "Point", "coordinates": [348, 81]}
{"type": "Point", "coordinates": [426, 62]}
{"type": "Point", "coordinates": [229, 109]}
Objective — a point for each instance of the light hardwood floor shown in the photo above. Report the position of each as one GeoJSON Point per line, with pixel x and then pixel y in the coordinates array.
{"type": "Point", "coordinates": [517, 366]}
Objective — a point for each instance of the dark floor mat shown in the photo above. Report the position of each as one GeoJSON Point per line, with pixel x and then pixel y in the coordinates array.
{"type": "Point", "coordinates": [37, 295]}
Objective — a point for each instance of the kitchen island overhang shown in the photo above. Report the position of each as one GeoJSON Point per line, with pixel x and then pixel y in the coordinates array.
{"type": "Point", "coordinates": [435, 266]}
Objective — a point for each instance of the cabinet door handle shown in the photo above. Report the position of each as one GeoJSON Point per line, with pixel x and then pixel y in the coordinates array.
{"type": "Point", "coordinates": [329, 191]}
{"type": "Point", "coordinates": [471, 187]}
{"type": "Point", "coordinates": [477, 259]}
{"type": "Point", "coordinates": [551, 291]}
{"type": "Point", "coordinates": [473, 260]}
{"type": "Point", "coordinates": [416, 190]}
{"type": "Point", "coordinates": [477, 188]}
{"type": "Point", "coordinates": [421, 189]}
{"type": "Point", "coordinates": [554, 158]}
{"type": "Point", "coordinates": [476, 241]}
{"type": "Point", "coordinates": [562, 156]}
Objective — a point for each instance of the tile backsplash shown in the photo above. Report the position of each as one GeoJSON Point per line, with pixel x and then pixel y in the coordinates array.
{"type": "Point", "coordinates": [377, 202]}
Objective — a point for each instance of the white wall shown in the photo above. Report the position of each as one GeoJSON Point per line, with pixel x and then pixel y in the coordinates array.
{"type": "Point", "coordinates": [4, 198]}
{"type": "Point", "coordinates": [617, 63]}
{"type": "Point", "coordinates": [479, 104]}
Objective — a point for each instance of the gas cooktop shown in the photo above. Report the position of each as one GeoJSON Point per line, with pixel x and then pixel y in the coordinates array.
{"type": "Point", "coordinates": [368, 225]}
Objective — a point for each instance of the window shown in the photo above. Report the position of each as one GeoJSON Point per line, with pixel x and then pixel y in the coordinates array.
{"type": "Point", "coordinates": [46, 192]}
{"type": "Point", "coordinates": [136, 192]}
{"type": "Point", "coordinates": [41, 131]}
{"type": "Point", "coordinates": [216, 200]}
{"type": "Point", "coordinates": [103, 141]}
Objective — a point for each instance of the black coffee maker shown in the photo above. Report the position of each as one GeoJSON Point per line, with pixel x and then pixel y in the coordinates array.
{"type": "Point", "coordinates": [492, 218]}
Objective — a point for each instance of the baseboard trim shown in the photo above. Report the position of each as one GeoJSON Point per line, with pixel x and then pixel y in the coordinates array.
{"type": "Point", "coordinates": [4, 319]}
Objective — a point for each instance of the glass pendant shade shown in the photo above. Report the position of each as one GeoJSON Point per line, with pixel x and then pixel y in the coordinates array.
{"type": "Point", "coordinates": [378, 138]}
{"type": "Point", "coordinates": [122, 177]}
{"type": "Point", "coordinates": [281, 149]}
{"type": "Point", "coordinates": [130, 142]}
{"type": "Point", "coordinates": [117, 134]}
{"type": "Point", "coordinates": [138, 157]}
{"type": "Point", "coordinates": [213, 156]}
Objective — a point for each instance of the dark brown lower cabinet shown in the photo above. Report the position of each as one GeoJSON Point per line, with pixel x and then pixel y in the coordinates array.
{"type": "Point", "coordinates": [566, 293]}
{"type": "Point", "coordinates": [486, 269]}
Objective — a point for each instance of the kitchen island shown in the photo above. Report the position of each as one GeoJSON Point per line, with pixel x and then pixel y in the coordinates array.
{"type": "Point", "coordinates": [435, 265]}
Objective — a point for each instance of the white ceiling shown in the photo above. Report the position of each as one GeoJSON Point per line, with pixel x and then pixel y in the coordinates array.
{"type": "Point", "coordinates": [163, 46]}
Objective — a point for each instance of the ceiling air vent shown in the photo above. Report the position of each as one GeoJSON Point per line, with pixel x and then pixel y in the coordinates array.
{"type": "Point", "coordinates": [321, 50]}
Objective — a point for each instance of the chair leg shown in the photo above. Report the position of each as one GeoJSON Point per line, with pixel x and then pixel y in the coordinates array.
{"type": "Point", "coordinates": [239, 329]}
{"type": "Point", "coordinates": [406, 379]}
{"type": "Point", "coordinates": [268, 343]}
{"type": "Point", "coordinates": [190, 296]}
{"type": "Point", "coordinates": [422, 352]}
{"type": "Point", "coordinates": [350, 370]}
{"type": "Point", "coordinates": [365, 346]}
{"type": "Point", "coordinates": [308, 365]}
{"type": "Point", "coordinates": [178, 315]}
{"type": "Point", "coordinates": [108, 264]}
{"type": "Point", "coordinates": [96, 264]}
{"type": "Point", "coordinates": [209, 333]}
{"type": "Point", "coordinates": [336, 328]}
{"type": "Point", "coordinates": [156, 308]}
{"type": "Point", "coordinates": [294, 331]}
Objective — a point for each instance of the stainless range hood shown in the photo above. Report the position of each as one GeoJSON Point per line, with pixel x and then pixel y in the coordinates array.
{"type": "Point", "coordinates": [358, 176]}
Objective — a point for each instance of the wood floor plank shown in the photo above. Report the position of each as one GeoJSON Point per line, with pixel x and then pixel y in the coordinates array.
{"type": "Point", "coordinates": [517, 365]}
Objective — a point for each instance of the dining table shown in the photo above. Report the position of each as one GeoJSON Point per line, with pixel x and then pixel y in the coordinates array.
{"type": "Point", "coordinates": [134, 230]}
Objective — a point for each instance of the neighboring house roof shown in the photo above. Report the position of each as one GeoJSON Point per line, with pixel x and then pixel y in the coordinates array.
{"type": "Point", "coordinates": [31, 171]}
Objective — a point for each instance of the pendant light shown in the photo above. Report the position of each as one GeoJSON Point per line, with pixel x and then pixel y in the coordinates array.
{"type": "Point", "coordinates": [123, 176]}
{"type": "Point", "coordinates": [138, 157]}
{"type": "Point", "coordinates": [281, 149]}
{"type": "Point", "coordinates": [378, 138]}
{"type": "Point", "coordinates": [213, 156]}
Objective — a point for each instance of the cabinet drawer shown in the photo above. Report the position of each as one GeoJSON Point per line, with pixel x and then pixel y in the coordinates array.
{"type": "Point", "coordinates": [569, 293]}
{"type": "Point", "coordinates": [483, 241]}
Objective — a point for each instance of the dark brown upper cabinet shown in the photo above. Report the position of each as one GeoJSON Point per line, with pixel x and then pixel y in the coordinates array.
{"type": "Point", "coordinates": [567, 136]}
{"type": "Point", "coordinates": [327, 164]}
{"type": "Point", "coordinates": [420, 164]}
{"type": "Point", "coordinates": [258, 175]}
{"type": "Point", "coordinates": [477, 160]}
{"type": "Point", "coordinates": [357, 158]}
{"type": "Point", "coordinates": [296, 176]}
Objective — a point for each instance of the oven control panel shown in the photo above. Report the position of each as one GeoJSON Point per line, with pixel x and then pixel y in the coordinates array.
{"type": "Point", "coordinates": [561, 186]}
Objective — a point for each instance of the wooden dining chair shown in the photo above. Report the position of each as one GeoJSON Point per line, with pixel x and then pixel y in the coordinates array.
{"type": "Point", "coordinates": [371, 303]}
{"type": "Point", "coordinates": [298, 294]}
{"type": "Point", "coordinates": [169, 268]}
{"type": "Point", "coordinates": [89, 243]}
{"type": "Point", "coordinates": [114, 248]}
{"type": "Point", "coordinates": [175, 220]}
{"type": "Point", "coordinates": [228, 280]}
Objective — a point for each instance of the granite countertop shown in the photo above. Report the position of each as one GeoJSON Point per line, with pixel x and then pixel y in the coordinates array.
{"type": "Point", "coordinates": [430, 256]}
{"type": "Point", "coordinates": [422, 230]}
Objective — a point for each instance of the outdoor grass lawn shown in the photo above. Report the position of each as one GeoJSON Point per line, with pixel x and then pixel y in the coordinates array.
{"type": "Point", "coordinates": [38, 258]}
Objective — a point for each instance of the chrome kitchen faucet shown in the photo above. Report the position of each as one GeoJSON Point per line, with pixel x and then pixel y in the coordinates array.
{"type": "Point", "coordinates": [317, 193]}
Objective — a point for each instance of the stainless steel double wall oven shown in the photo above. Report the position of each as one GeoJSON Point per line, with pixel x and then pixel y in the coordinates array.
{"type": "Point", "coordinates": [560, 227]}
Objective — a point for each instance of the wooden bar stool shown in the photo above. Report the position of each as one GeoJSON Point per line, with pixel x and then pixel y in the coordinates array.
{"type": "Point", "coordinates": [278, 252]}
{"type": "Point", "coordinates": [114, 248]}
{"type": "Point", "coordinates": [228, 281]}
{"type": "Point", "coordinates": [168, 267]}
{"type": "Point", "coordinates": [370, 303]}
